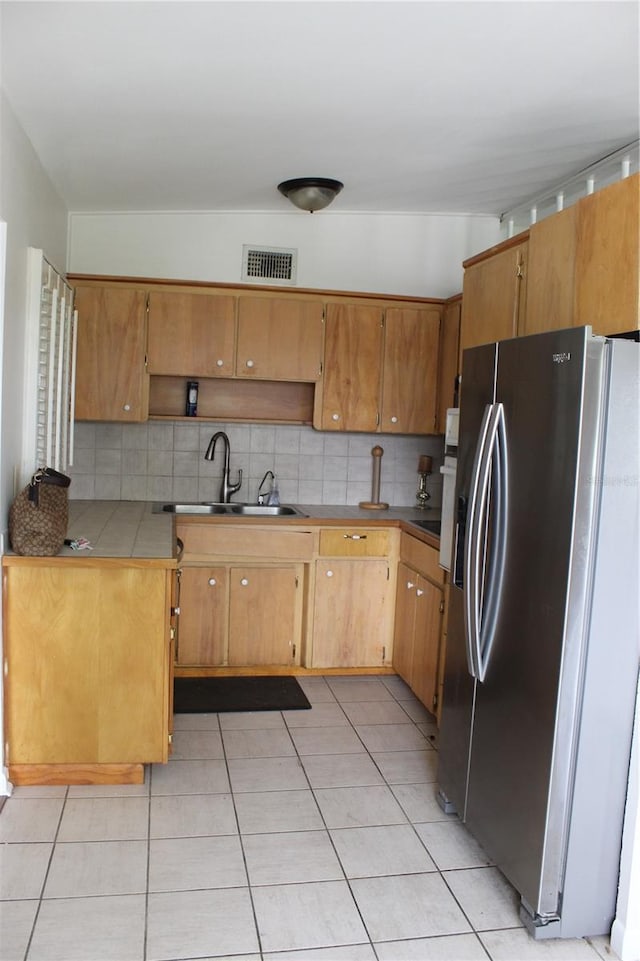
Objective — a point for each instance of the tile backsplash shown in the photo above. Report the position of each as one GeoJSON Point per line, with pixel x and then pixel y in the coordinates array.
{"type": "Point", "coordinates": [164, 460]}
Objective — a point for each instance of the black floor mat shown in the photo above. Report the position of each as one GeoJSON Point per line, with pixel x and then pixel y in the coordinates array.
{"type": "Point", "coordinates": [204, 695]}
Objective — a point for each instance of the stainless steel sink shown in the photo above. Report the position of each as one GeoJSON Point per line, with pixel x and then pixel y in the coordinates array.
{"type": "Point", "coordinates": [246, 510]}
{"type": "Point", "coordinates": [264, 510]}
{"type": "Point", "coordinates": [191, 508]}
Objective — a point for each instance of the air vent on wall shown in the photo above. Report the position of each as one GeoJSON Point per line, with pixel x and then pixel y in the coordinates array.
{"type": "Point", "coordinates": [269, 265]}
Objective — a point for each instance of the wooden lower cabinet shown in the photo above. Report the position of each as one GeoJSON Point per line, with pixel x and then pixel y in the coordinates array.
{"type": "Point", "coordinates": [240, 615]}
{"type": "Point", "coordinates": [419, 622]}
{"type": "Point", "coordinates": [204, 614]}
{"type": "Point", "coordinates": [88, 668]}
{"type": "Point", "coordinates": [352, 613]}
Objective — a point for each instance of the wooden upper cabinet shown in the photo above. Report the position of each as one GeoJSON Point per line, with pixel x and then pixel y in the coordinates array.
{"type": "Point", "coordinates": [550, 272]}
{"type": "Point", "coordinates": [493, 295]}
{"type": "Point", "coordinates": [111, 380]}
{"type": "Point", "coordinates": [191, 334]}
{"type": "Point", "coordinates": [583, 264]}
{"type": "Point", "coordinates": [410, 370]}
{"type": "Point", "coordinates": [448, 364]}
{"type": "Point", "coordinates": [608, 258]}
{"type": "Point", "coordinates": [352, 368]}
{"type": "Point", "coordinates": [279, 339]}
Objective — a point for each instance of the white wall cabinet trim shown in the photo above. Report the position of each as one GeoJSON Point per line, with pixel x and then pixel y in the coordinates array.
{"type": "Point", "coordinates": [50, 355]}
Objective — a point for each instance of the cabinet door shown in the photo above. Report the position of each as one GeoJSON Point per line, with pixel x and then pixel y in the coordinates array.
{"type": "Point", "coordinates": [352, 368]}
{"type": "Point", "coordinates": [202, 629]}
{"type": "Point", "coordinates": [279, 339]}
{"type": "Point", "coordinates": [493, 297]}
{"type": "Point", "coordinates": [403, 634]}
{"type": "Point", "coordinates": [410, 370]}
{"type": "Point", "coordinates": [607, 258]}
{"type": "Point", "coordinates": [87, 652]}
{"type": "Point", "coordinates": [191, 335]}
{"type": "Point", "coordinates": [111, 380]}
{"type": "Point", "coordinates": [263, 615]}
{"type": "Point", "coordinates": [550, 273]}
{"type": "Point", "coordinates": [426, 645]}
{"type": "Point", "coordinates": [352, 614]}
{"type": "Point", "coordinates": [448, 362]}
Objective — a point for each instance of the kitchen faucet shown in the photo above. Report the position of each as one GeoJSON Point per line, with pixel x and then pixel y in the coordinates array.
{"type": "Point", "coordinates": [260, 498]}
{"type": "Point", "coordinates": [226, 489]}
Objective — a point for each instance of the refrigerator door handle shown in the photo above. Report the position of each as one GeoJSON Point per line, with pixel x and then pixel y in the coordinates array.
{"type": "Point", "coordinates": [473, 546]}
{"type": "Point", "coordinates": [481, 597]}
{"type": "Point", "coordinates": [498, 539]}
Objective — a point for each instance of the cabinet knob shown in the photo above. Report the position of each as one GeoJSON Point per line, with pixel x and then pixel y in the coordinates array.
{"type": "Point", "coordinates": [212, 582]}
{"type": "Point", "coordinates": [394, 420]}
{"type": "Point", "coordinates": [219, 363]}
{"type": "Point", "coordinates": [244, 581]}
{"type": "Point", "coordinates": [410, 585]}
{"type": "Point", "coordinates": [419, 592]}
{"type": "Point", "coordinates": [249, 363]}
{"type": "Point", "coordinates": [126, 406]}
{"type": "Point", "coordinates": [329, 573]}
{"type": "Point", "coordinates": [335, 417]}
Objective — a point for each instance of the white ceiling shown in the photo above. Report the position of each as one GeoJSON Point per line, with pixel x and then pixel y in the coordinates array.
{"type": "Point", "coordinates": [416, 106]}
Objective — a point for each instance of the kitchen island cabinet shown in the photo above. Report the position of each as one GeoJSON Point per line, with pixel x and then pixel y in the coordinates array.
{"type": "Point", "coordinates": [88, 668]}
{"type": "Point", "coordinates": [417, 643]}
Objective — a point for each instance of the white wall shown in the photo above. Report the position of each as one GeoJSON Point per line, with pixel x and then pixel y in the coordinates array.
{"type": "Point", "coordinates": [413, 254]}
{"type": "Point", "coordinates": [35, 217]}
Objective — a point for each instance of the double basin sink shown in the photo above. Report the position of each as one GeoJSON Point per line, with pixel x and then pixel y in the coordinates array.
{"type": "Point", "coordinates": [232, 510]}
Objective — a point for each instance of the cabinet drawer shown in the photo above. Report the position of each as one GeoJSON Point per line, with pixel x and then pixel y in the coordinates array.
{"type": "Point", "coordinates": [354, 542]}
{"type": "Point", "coordinates": [421, 557]}
{"type": "Point", "coordinates": [246, 541]}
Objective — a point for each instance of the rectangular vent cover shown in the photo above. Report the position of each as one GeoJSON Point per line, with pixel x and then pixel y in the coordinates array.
{"type": "Point", "coordinates": [271, 265]}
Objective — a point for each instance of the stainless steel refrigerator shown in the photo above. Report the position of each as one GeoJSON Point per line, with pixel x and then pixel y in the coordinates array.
{"type": "Point", "coordinates": [543, 644]}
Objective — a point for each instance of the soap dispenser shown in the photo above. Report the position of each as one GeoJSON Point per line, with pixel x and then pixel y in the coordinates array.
{"type": "Point", "coordinates": [273, 500]}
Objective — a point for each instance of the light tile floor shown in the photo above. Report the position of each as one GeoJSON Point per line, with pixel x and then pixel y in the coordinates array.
{"type": "Point", "coordinates": [308, 835]}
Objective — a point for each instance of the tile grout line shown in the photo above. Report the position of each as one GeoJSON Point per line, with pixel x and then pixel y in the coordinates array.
{"type": "Point", "coordinates": [46, 875]}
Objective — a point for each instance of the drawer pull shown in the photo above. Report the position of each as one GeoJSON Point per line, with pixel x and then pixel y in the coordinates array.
{"type": "Point", "coordinates": [212, 582]}
{"type": "Point", "coordinates": [355, 537]}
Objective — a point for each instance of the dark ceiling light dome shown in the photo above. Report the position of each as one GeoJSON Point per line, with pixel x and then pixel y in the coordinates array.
{"type": "Point", "coordinates": [310, 193]}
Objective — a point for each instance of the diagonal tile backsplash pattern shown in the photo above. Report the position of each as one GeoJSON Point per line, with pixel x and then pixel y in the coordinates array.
{"type": "Point", "coordinates": [164, 460]}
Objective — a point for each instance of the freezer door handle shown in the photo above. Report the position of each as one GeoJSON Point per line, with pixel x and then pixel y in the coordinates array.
{"type": "Point", "coordinates": [473, 546]}
{"type": "Point", "coordinates": [484, 574]}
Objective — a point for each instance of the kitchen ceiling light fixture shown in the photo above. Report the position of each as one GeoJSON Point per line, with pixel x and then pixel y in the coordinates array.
{"type": "Point", "coordinates": [310, 193]}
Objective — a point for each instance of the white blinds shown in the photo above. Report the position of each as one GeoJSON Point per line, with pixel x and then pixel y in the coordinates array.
{"type": "Point", "coordinates": [50, 372]}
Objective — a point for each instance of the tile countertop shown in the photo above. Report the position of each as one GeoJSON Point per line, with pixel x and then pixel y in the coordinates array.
{"type": "Point", "coordinates": [131, 529]}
